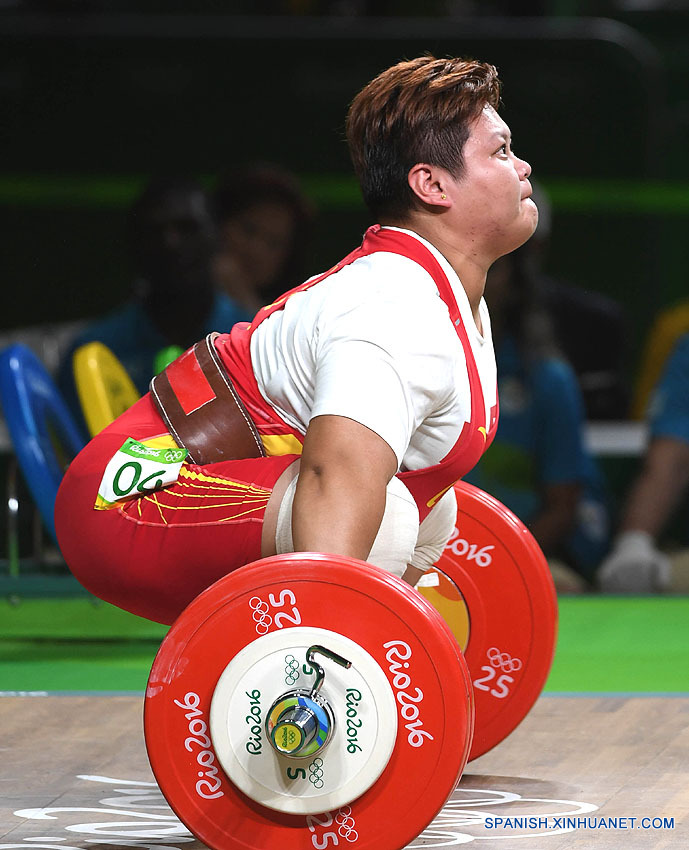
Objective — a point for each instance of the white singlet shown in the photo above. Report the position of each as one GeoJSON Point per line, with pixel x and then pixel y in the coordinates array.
{"type": "Point", "coordinates": [373, 342]}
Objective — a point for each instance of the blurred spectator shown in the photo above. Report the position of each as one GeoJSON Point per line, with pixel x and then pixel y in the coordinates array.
{"type": "Point", "coordinates": [172, 238]}
{"type": "Point", "coordinates": [264, 222]}
{"type": "Point", "coordinates": [538, 465]}
{"type": "Point", "coordinates": [636, 564]}
{"type": "Point", "coordinates": [579, 317]}
{"type": "Point", "coordinates": [670, 324]}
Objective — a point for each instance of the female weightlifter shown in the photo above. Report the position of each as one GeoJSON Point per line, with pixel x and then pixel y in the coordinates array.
{"type": "Point", "coordinates": [339, 419]}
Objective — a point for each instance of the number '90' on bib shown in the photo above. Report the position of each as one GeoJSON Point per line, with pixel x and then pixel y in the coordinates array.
{"type": "Point", "coordinates": [136, 469]}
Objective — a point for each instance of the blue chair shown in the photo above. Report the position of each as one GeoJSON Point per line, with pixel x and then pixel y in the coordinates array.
{"type": "Point", "coordinates": [43, 431]}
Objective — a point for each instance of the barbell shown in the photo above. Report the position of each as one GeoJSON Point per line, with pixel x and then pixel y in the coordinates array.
{"type": "Point", "coordinates": [309, 700]}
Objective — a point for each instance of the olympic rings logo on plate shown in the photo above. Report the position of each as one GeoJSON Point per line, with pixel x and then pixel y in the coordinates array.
{"type": "Point", "coordinates": [503, 660]}
{"type": "Point", "coordinates": [260, 615]}
{"type": "Point", "coordinates": [315, 773]}
{"type": "Point", "coordinates": [346, 824]}
{"type": "Point", "coordinates": [291, 670]}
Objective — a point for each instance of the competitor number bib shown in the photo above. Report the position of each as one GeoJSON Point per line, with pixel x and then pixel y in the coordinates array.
{"type": "Point", "coordinates": [135, 470]}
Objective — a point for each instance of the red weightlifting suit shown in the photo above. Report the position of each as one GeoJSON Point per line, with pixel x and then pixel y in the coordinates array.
{"type": "Point", "coordinates": [153, 554]}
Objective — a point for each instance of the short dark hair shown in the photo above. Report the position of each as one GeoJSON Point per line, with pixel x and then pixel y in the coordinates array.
{"type": "Point", "coordinates": [419, 110]}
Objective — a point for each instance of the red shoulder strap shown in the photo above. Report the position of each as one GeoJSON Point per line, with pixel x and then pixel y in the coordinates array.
{"type": "Point", "coordinates": [395, 242]}
{"type": "Point", "coordinates": [378, 239]}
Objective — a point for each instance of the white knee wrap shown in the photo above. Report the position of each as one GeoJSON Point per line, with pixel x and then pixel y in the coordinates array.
{"type": "Point", "coordinates": [394, 545]}
{"type": "Point", "coordinates": [435, 531]}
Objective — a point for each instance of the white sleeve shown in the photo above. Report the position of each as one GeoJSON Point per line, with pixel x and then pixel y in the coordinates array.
{"type": "Point", "coordinates": [435, 531]}
{"type": "Point", "coordinates": [383, 357]}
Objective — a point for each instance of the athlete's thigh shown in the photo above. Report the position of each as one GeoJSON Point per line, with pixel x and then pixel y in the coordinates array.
{"type": "Point", "coordinates": [152, 555]}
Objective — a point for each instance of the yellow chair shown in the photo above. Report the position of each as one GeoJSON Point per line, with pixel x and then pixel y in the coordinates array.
{"type": "Point", "coordinates": [662, 338]}
{"type": "Point", "coordinates": [104, 387]}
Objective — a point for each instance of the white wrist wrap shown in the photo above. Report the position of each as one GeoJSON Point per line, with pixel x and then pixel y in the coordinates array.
{"type": "Point", "coordinates": [393, 547]}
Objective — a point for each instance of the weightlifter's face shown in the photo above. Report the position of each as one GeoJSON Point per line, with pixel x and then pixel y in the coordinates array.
{"type": "Point", "coordinates": [493, 196]}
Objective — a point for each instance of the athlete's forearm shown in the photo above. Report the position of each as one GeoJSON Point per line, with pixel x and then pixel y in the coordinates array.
{"type": "Point", "coordinates": [340, 496]}
{"type": "Point", "coordinates": [336, 510]}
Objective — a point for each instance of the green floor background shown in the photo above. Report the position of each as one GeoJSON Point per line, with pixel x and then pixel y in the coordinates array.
{"type": "Point", "coordinates": [605, 644]}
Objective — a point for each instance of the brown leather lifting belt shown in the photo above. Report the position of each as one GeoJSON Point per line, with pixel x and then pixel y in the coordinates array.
{"type": "Point", "coordinates": [201, 408]}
